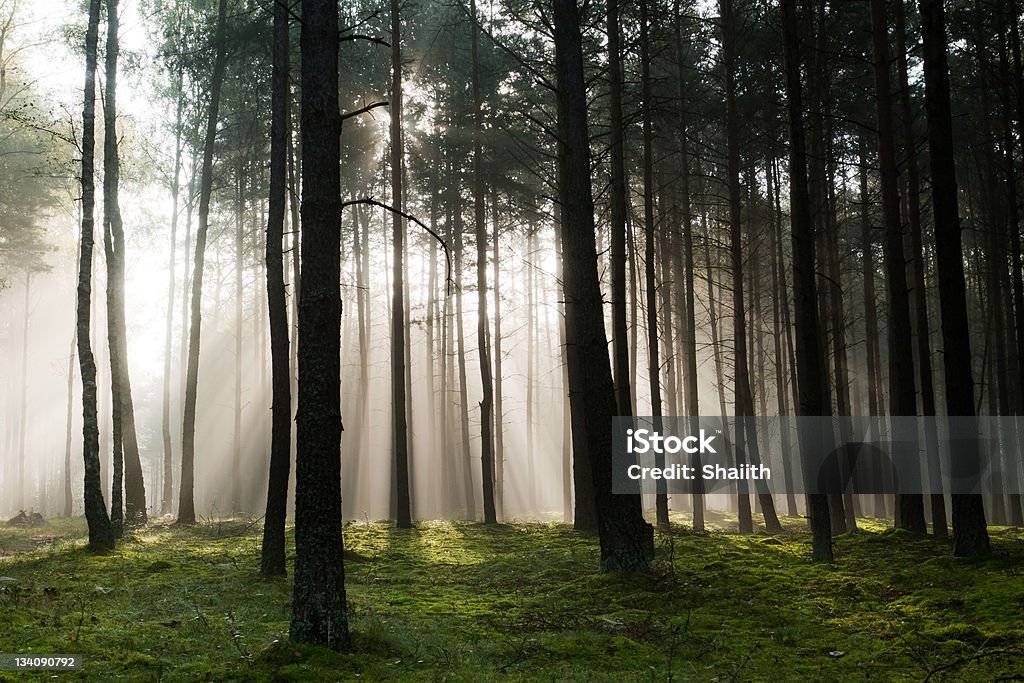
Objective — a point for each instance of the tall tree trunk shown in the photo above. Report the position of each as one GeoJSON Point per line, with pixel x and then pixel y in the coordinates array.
{"type": "Point", "coordinates": [746, 436]}
{"type": "Point", "coordinates": [619, 204]}
{"type": "Point", "coordinates": [400, 427]}
{"type": "Point", "coordinates": [780, 299]}
{"type": "Point", "coordinates": [135, 489]}
{"type": "Point", "coordinates": [576, 474]}
{"type": "Point", "coordinates": [499, 427]}
{"type": "Point", "coordinates": [319, 615]}
{"type": "Point", "coordinates": [272, 561]}
{"type": "Point", "coordinates": [689, 326]}
{"type": "Point", "coordinates": [186, 497]}
{"type": "Point", "coordinates": [901, 363]}
{"type": "Point", "coordinates": [970, 532]}
{"type": "Point", "coordinates": [871, 341]}
{"type": "Point", "coordinates": [585, 506]}
{"type": "Point", "coordinates": [167, 488]}
{"type": "Point", "coordinates": [627, 542]}
{"type": "Point", "coordinates": [1013, 500]}
{"type": "Point", "coordinates": [810, 374]}
{"type": "Point", "coordinates": [651, 291]}
{"type": "Point", "coordinates": [111, 214]}
{"type": "Point", "coordinates": [236, 440]}
{"type": "Point", "coordinates": [68, 500]}
{"type": "Point", "coordinates": [436, 420]}
{"type": "Point", "coordinates": [482, 325]}
{"type": "Point", "coordinates": [919, 301]}
{"type": "Point", "coordinates": [531, 344]}
{"type": "Point", "coordinates": [460, 338]}
{"type": "Point", "coordinates": [101, 533]}
{"type": "Point", "coordinates": [23, 398]}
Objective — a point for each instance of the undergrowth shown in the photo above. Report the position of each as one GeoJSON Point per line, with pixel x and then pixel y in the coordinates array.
{"type": "Point", "coordinates": [519, 602]}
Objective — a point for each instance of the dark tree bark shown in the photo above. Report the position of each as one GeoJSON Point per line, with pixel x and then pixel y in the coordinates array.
{"type": "Point", "coordinates": [101, 533]}
{"type": "Point", "coordinates": [780, 299]}
{"type": "Point", "coordinates": [499, 426]}
{"type": "Point", "coordinates": [186, 498]}
{"type": "Point", "coordinates": [460, 347]}
{"type": "Point", "coordinates": [1016, 329]}
{"type": "Point", "coordinates": [400, 427]}
{"type": "Point", "coordinates": [319, 614]}
{"type": "Point", "coordinates": [810, 374]}
{"type": "Point", "coordinates": [902, 393]}
{"type": "Point", "coordinates": [482, 326]}
{"type": "Point", "coordinates": [626, 539]}
{"type": "Point", "coordinates": [919, 299]}
{"type": "Point", "coordinates": [167, 489]}
{"type": "Point", "coordinates": [620, 338]}
{"type": "Point", "coordinates": [650, 284]}
{"type": "Point", "coordinates": [970, 531]}
{"type": "Point", "coordinates": [745, 437]}
{"type": "Point", "coordinates": [272, 561]}
{"type": "Point", "coordinates": [689, 326]}
{"type": "Point", "coordinates": [871, 341]}
{"type": "Point", "coordinates": [124, 411]}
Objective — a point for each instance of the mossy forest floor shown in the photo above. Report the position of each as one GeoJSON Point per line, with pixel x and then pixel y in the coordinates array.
{"type": "Point", "coordinates": [519, 602]}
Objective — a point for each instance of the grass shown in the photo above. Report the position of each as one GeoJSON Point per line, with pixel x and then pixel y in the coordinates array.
{"type": "Point", "coordinates": [519, 602]}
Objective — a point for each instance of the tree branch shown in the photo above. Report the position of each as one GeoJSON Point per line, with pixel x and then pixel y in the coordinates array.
{"type": "Point", "coordinates": [360, 36]}
{"type": "Point", "coordinates": [363, 110]}
{"type": "Point", "coordinates": [447, 251]}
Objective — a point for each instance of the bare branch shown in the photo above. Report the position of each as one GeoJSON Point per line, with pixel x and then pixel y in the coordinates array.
{"type": "Point", "coordinates": [447, 251]}
{"type": "Point", "coordinates": [363, 110]}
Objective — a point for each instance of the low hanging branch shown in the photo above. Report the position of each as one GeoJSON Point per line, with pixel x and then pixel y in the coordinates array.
{"type": "Point", "coordinates": [363, 110]}
{"type": "Point", "coordinates": [447, 251]}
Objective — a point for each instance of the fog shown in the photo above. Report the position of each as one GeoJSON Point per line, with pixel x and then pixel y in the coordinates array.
{"type": "Point", "coordinates": [41, 410]}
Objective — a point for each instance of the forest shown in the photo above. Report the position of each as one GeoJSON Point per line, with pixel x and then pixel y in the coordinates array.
{"type": "Point", "coordinates": [330, 328]}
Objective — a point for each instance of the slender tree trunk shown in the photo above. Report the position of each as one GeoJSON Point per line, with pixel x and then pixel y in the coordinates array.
{"type": "Point", "coordinates": [272, 561]}
{"type": "Point", "coordinates": [68, 501]}
{"type": "Point", "coordinates": [467, 465]}
{"type": "Point", "coordinates": [101, 533]}
{"type": "Point", "coordinates": [919, 301]}
{"type": "Point", "coordinates": [400, 427]}
{"type": "Point", "coordinates": [186, 497]}
{"type": "Point", "coordinates": [165, 406]}
{"type": "Point", "coordinates": [438, 450]}
{"type": "Point", "coordinates": [23, 398]}
{"type": "Point", "coordinates": [574, 454]}
{"type": "Point", "coordinates": [531, 333]}
{"type": "Point", "coordinates": [745, 434]}
{"type": "Point", "coordinates": [1013, 500]}
{"type": "Point", "coordinates": [236, 441]}
{"type": "Point", "coordinates": [689, 326]}
{"type": "Point", "coordinates": [627, 542]}
{"type": "Point", "coordinates": [970, 532]}
{"type": "Point", "coordinates": [901, 362]}
{"type": "Point", "coordinates": [482, 326]}
{"type": "Point", "coordinates": [780, 301]}
{"type": "Point", "coordinates": [499, 426]}
{"type": "Point", "coordinates": [871, 339]}
{"type": "Point", "coordinates": [810, 374]}
{"type": "Point", "coordinates": [135, 488]}
{"type": "Point", "coordinates": [619, 204]}
{"type": "Point", "coordinates": [651, 291]}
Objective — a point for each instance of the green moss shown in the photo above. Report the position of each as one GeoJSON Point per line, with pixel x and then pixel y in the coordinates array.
{"type": "Point", "coordinates": [466, 602]}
